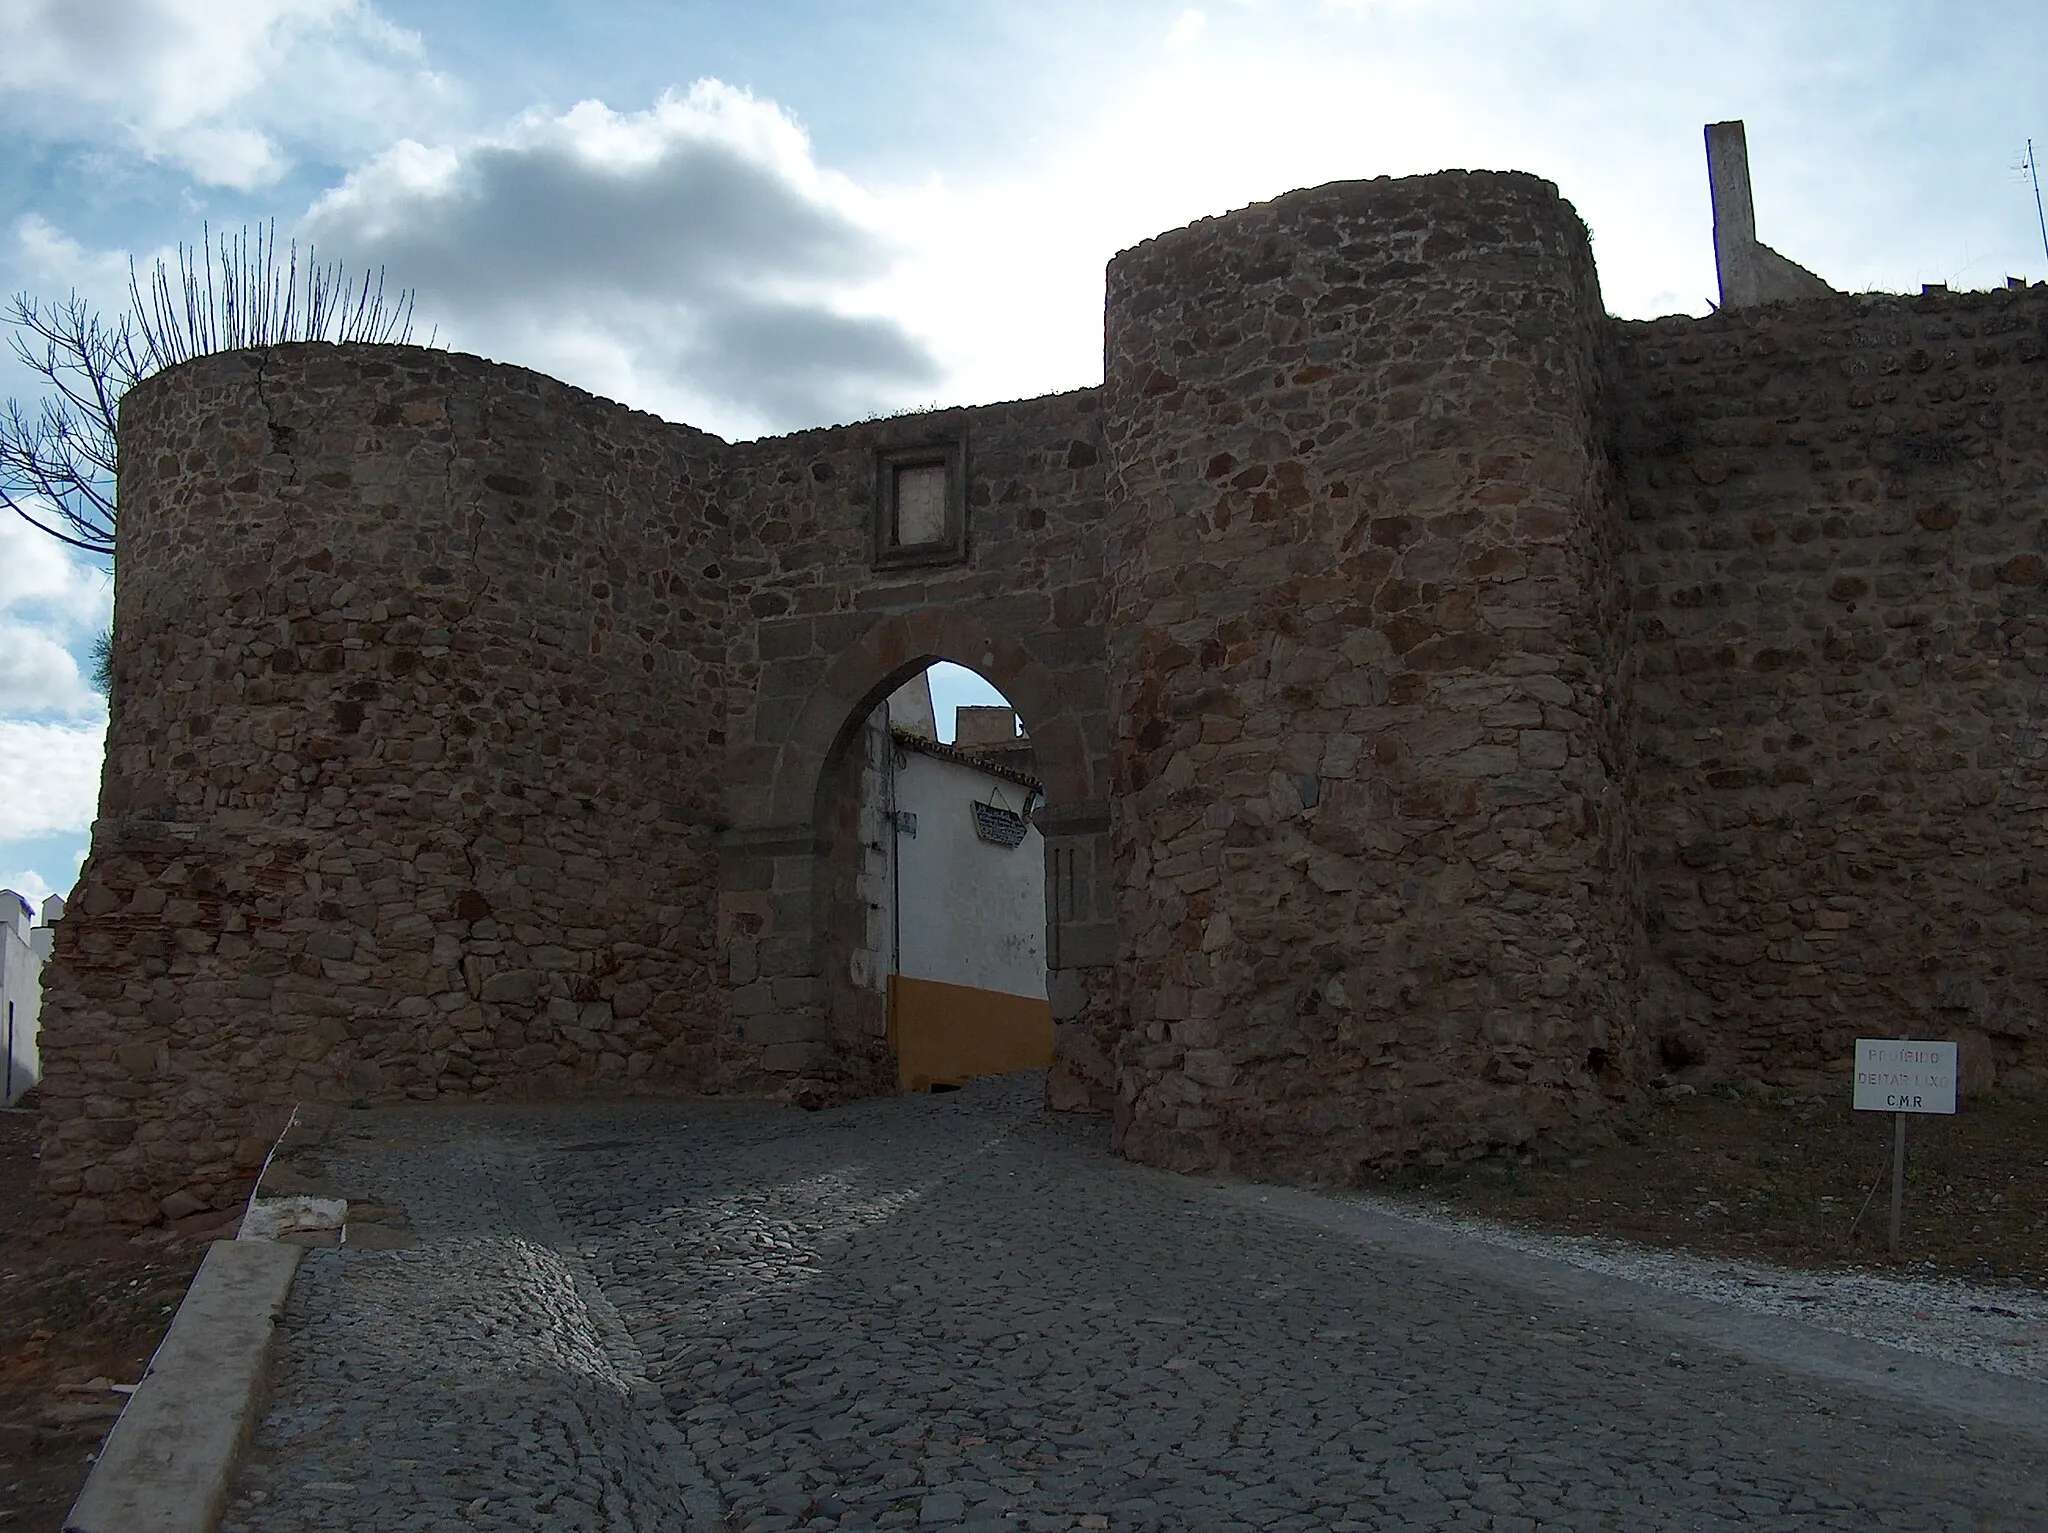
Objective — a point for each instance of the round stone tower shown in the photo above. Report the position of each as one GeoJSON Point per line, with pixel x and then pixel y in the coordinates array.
{"type": "Point", "coordinates": [411, 767]}
{"type": "Point", "coordinates": [1375, 897]}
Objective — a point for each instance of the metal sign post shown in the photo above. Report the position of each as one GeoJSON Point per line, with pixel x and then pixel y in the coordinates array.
{"type": "Point", "coordinates": [1902, 1076]}
{"type": "Point", "coordinates": [1898, 1177]}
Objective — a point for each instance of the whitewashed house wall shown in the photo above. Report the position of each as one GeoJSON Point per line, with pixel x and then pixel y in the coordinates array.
{"type": "Point", "coordinates": [24, 945]}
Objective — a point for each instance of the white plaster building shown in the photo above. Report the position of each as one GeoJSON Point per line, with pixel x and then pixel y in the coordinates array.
{"type": "Point", "coordinates": [957, 896]}
{"type": "Point", "coordinates": [971, 910]}
{"type": "Point", "coordinates": [24, 947]}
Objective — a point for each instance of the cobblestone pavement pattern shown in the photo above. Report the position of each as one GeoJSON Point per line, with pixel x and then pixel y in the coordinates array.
{"type": "Point", "coordinates": [957, 1311]}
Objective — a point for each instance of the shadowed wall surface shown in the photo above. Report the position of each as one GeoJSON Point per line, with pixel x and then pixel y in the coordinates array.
{"type": "Point", "coordinates": [1837, 522]}
{"type": "Point", "coordinates": [411, 773]}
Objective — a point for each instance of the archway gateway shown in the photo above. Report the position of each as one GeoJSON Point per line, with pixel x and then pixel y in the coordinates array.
{"type": "Point", "coordinates": [786, 881]}
{"type": "Point", "coordinates": [931, 891]}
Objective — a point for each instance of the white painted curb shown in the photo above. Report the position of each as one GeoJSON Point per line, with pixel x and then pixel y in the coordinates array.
{"type": "Point", "coordinates": [165, 1468]}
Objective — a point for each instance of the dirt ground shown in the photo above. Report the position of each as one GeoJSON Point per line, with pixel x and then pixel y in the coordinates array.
{"type": "Point", "coordinates": [1792, 1176]}
{"type": "Point", "coordinates": [77, 1313]}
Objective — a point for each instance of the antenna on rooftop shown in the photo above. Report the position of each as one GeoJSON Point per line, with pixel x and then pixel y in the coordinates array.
{"type": "Point", "coordinates": [2032, 167]}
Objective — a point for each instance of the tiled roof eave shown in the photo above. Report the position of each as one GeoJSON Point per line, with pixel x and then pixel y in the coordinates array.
{"type": "Point", "coordinates": [942, 752]}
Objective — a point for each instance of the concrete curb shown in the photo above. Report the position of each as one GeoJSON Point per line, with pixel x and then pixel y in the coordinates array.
{"type": "Point", "coordinates": [165, 1468]}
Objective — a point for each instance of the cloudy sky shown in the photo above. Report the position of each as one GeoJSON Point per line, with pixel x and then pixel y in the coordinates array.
{"type": "Point", "coordinates": [762, 216]}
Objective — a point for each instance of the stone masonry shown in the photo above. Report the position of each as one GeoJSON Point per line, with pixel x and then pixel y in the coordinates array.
{"type": "Point", "coordinates": [1454, 707]}
{"type": "Point", "coordinates": [1374, 878]}
{"type": "Point", "coordinates": [1837, 522]}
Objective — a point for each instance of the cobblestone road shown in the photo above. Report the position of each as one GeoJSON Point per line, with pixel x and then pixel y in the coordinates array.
{"type": "Point", "coordinates": [957, 1312]}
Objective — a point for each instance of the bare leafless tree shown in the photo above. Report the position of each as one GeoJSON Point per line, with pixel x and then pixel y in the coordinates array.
{"type": "Point", "coordinates": [58, 458]}
{"type": "Point", "coordinates": [60, 455]}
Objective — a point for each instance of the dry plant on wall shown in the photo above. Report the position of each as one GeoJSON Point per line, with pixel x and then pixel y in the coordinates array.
{"type": "Point", "coordinates": [60, 455]}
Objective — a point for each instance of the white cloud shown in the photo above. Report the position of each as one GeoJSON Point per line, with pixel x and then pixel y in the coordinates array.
{"type": "Point", "coordinates": [218, 88]}
{"type": "Point", "coordinates": [1187, 29]}
{"type": "Point", "coordinates": [38, 675]}
{"type": "Point", "coordinates": [692, 258]}
{"type": "Point", "coordinates": [49, 777]}
{"type": "Point", "coordinates": [52, 602]}
{"type": "Point", "coordinates": [44, 865]}
{"type": "Point", "coordinates": [41, 579]}
{"type": "Point", "coordinates": [1608, 100]}
{"type": "Point", "coordinates": [31, 886]}
{"type": "Point", "coordinates": [49, 259]}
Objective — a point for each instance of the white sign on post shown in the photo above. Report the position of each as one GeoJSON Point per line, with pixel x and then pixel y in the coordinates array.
{"type": "Point", "coordinates": [1905, 1075]}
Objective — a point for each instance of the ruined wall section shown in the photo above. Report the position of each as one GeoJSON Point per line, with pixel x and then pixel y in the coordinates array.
{"type": "Point", "coordinates": [1838, 523]}
{"type": "Point", "coordinates": [1375, 894]}
{"type": "Point", "coordinates": [824, 635]}
{"type": "Point", "coordinates": [411, 771]}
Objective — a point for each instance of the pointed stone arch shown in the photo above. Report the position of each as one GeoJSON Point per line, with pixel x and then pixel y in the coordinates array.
{"type": "Point", "coordinates": [775, 890]}
{"type": "Point", "coordinates": [895, 649]}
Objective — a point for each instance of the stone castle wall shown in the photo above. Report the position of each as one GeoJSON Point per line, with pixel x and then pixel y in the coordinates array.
{"type": "Point", "coordinates": [409, 778]}
{"type": "Point", "coordinates": [1372, 859]}
{"type": "Point", "coordinates": [1837, 517]}
{"type": "Point", "coordinates": [1455, 707]}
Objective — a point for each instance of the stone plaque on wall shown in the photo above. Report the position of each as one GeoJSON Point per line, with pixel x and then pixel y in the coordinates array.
{"type": "Point", "coordinates": [921, 504]}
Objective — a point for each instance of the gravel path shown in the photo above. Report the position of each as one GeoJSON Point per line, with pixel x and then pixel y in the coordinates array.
{"type": "Point", "coordinates": [2003, 1330]}
{"type": "Point", "coordinates": [956, 1311]}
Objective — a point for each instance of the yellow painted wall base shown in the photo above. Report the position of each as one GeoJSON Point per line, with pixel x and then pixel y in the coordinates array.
{"type": "Point", "coordinates": [944, 1034]}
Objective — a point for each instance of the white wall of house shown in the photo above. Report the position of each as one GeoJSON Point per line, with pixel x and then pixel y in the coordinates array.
{"type": "Point", "coordinates": [969, 912]}
{"type": "Point", "coordinates": [941, 903]}
{"type": "Point", "coordinates": [910, 707]}
{"type": "Point", "coordinates": [24, 945]}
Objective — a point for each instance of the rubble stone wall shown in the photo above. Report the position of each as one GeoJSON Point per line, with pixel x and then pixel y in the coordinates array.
{"type": "Point", "coordinates": [1838, 543]}
{"type": "Point", "coordinates": [411, 774]}
{"type": "Point", "coordinates": [1373, 873]}
{"type": "Point", "coordinates": [1454, 708]}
